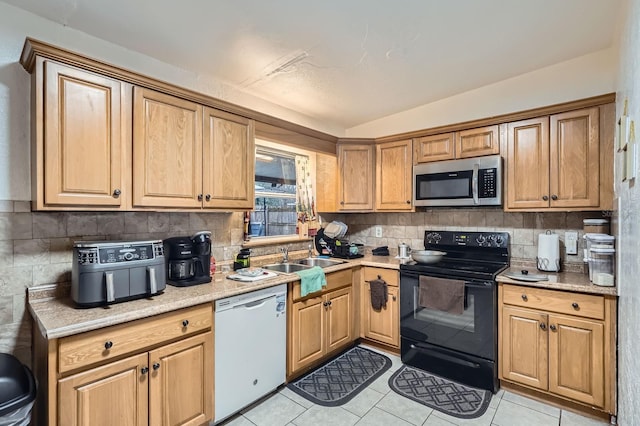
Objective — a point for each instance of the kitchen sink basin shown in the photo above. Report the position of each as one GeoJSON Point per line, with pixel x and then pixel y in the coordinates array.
{"type": "Point", "coordinates": [319, 261]}
{"type": "Point", "coordinates": [286, 268]}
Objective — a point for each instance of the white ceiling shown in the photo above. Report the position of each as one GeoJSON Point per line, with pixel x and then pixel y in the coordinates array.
{"type": "Point", "coordinates": [347, 62]}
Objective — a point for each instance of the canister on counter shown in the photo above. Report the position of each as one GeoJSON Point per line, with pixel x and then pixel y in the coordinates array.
{"type": "Point", "coordinates": [595, 226]}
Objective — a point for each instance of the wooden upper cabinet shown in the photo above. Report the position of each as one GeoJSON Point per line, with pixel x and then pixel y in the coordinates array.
{"type": "Point", "coordinates": [477, 142]}
{"type": "Point", "coordinates": [79, 149]}
{"type": "Point", "coordinates": [434, 148]}
{"type": "Point", "coordinates": [528, 163]}
{"type": "Point", "coordinates": [167, 151]}
{"type": "Point", "coordinates": [326, 183]}
{"type": "Point", "coordinates": [554, 162]}
{"type": "Point", "coordinates": [229, 160]}
{"type": "Point", "coordinates": [575, 159]}
{"type": "Point", "coordinates": [394, 176]}
{"type": "Point", "coordinates": [355, 177]}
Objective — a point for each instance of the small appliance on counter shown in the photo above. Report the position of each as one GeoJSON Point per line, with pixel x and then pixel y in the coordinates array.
{"type": "Point", "coordinates": [188, 259]}
{"type": "Point", "coordinates": [243, 259]}
{"type": "Point", "coordinates": [105, 272]}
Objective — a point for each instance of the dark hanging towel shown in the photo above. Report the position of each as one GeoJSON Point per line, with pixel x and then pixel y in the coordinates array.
{"type": "Point", "coordinates": [442, 294]}
{"type": "Point", "coordinates": [379, 294]}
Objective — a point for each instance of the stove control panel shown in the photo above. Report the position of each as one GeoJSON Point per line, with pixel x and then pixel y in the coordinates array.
{"type": "Point", "coordinates": [469, 239]}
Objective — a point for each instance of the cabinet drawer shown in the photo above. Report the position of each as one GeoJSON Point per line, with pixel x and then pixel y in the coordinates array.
{"type": "Point", "coordinates": [334, 280]}
{"type": "Point", "coordinates": [95, 346]}
{"type": "Point", "coordinates": [391, 276]}
{"type": "Point", "coordinates": [577, 304]}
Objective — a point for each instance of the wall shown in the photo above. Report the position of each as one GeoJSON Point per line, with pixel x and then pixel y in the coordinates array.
{"type": "Point", "coordinates": [583, 77]}
{"type": "Point", "coordinates": [523, 229]}
{"type": "Point", "coordinates": [628, 246]}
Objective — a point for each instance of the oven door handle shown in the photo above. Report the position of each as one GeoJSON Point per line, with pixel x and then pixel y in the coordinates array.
{"type": "Point", "coordinates": [474, 183]}
{"type": "Point", "coordinates": [473, 284]}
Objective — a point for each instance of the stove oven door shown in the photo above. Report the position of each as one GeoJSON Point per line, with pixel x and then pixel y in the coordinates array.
{"type": "Point", "coordinates": [473, 332]}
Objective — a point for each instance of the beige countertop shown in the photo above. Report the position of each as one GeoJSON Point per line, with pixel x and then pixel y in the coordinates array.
{"type": "Point", "coordinates": [58, 317]}
{"type": "Point", "coordinates": [567, 281]}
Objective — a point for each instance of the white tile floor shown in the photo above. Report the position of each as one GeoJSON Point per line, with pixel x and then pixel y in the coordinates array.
{"type": "Point", "coordinates": [379, 405]}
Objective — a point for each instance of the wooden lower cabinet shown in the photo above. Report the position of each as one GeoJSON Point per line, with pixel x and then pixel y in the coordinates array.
{"type": "Point", "coordinates": [382, 326]}
{"type": "Point", "coordinates": [562, 355]}
{"type": "Point", "coordinates": [318, 327]}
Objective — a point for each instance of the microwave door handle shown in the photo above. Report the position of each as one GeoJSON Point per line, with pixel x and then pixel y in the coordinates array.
{"type": "Point", "coordinates": [474, 184]}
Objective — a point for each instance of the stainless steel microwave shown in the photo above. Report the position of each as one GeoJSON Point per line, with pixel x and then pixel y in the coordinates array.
{"type": "Point", "coordinates": [465, 182]}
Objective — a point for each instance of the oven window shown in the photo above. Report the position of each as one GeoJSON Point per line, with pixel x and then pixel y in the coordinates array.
{"type": "Point", "coordinates": [465, 321]}
{"type": "Point", "coordinates": [436, 186]}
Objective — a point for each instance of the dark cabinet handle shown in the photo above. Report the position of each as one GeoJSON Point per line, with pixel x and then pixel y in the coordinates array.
{"type": "Point", "coordinates": [207, 197]}
{"type": "Point", "coordinates": [199, 197]}
{"type": "Point", "coordinates": [116, 193]}
{"type": "Point", "coordinates": [342, 203]}
{"type": "Point", "coordinates": [185, 323]}
{"type": "Point", "coordinates": [108, 344]}
{"type": "Point", "coordinates": [329, 302]}
{"type": "Point", "coordinates": [524, 297]}
{"type": "Point", "coordinates": [575, 305]}
{"type": "Point", "coordinates": [552, 327]}
{"type": "Point", "coordinates": [156, 366]}
{"type": "Point", "coordinates": [393, 298]}
{"type": "Point", "coordinates": [545, 198]}
{"type": "Point", "coordinates": [543, 326]}
{"type": "Point", "coordinates": [325, 304]}
{"type": "Point", "coordinates": [144, 370]}
{"type": "Point", "coordinates": [408, 201]}
{"type": "Point", "coordinates": [554, 197]}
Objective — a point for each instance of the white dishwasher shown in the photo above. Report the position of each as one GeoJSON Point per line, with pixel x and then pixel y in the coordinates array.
{"type": "Point", "coordinates": [250, 348]}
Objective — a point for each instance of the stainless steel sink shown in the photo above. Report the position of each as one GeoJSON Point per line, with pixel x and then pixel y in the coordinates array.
{"type": "Point", "coordinates": [286, 268]}
{"type": "Point", "coordinates": [319, 261]}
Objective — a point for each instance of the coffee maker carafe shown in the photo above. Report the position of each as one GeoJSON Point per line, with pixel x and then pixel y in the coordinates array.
{"type": "Point", "coordinates": [188, 259]}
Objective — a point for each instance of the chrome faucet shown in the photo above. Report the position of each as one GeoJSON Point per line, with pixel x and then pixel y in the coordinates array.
{"type": "Point", "coordinates": [310, 251]}
{"type": "Point", "coordinates": [285, 254]}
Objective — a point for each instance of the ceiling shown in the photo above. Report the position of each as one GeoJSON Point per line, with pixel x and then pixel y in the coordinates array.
{"type": "Point", "coordinates": [347, 62]}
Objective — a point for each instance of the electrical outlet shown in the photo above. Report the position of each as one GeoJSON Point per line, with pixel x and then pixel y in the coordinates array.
{"type": "Point", "coordinates": [571, 242]}
{"type": "Point", "coordinates": [378, 231]}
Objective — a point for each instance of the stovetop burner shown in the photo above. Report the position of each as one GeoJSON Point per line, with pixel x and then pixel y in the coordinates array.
{"type": "Point", "coordinates": [469, 254]}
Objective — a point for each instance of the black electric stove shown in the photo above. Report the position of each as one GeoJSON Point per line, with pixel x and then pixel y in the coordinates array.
{"type": "Point", "coordinates": [459, 346]}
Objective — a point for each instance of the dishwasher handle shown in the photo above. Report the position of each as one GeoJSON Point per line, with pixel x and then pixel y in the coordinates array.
{"type": "Point", "coordinates": [254, 303]}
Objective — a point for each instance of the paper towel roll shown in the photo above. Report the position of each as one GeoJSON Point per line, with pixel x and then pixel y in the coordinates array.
{"type": "Point", "coordinates": [548, 252]}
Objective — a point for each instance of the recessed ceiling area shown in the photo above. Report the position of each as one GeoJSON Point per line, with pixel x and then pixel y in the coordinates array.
{"type": "Point", "coordinates": [347, 62]}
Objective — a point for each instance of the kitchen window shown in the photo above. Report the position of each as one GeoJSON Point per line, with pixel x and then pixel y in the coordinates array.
{"type": "Point", "coordinates": [274, 213]}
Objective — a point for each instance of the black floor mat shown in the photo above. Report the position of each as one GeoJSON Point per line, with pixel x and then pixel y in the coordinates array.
{"type": "Point", "coordinates": [441, 394]}
{"type": "Point", "coordinates": [342, 378]}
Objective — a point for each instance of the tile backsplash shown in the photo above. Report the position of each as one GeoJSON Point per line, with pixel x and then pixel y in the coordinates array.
{"type": "Point", "coordinates": [36, 247]}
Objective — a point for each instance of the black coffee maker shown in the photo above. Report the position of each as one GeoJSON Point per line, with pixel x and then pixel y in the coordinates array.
{"type": "Point", "coordinates": [188, 259]}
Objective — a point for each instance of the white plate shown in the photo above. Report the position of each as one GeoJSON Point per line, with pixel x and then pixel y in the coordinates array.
{"type": "Point", "coordinates": [250, 272]}
{"type": "Point", "coordinates": [529, 277]}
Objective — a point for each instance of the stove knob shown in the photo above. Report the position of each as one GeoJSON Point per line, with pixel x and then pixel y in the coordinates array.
{"type": "Point", "coordinates": [499, 240]}
{"type": "Point", "coordinates": [481, 240]}
{"type": "Point", "coordinates": [128, 256]}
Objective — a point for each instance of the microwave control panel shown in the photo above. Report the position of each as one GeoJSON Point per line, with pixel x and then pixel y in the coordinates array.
{"type": "Point", "coordinates": [487, 185]}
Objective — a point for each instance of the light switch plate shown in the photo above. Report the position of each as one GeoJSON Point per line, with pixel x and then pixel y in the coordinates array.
{"type": "Point", "coordinates": [571, 242]}
{"type": "Point", "coordinates": [378, 231]}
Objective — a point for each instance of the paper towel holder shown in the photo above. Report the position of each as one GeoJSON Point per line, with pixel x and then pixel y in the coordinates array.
{"type": "Point", "coordinates": [545, 263]}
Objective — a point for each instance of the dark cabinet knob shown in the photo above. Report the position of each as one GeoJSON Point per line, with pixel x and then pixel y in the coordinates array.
{"type": "Point", "coordinates": [199, 197]}
{"type": "Point", "coordinates": [116, 193]}
{"type": "Point", "coordinates": [524, 297]}
{"type": "Point", "coordinates": [554, 197]}
{"type": "Point", "coordinates": [393, 298]}
{"type": "Point", "coordinates": [543, 326]}
{"type": "Point", "coordinates": [185, 323]}
{"type": "Point", "coordinates": [325, 304]}
{"type": "Point", "coordinates": [108, 344]}
{"type": "Point", "coordinates": [156, 366]}
{"type": "Point", "coordinates": [545, 198]}
{"type": "Point", "coordinates": [144, 370]}
{"type": "Point", "coordinates": [408, 201]}
{"type": "Point", "coordinates": [207, 197]}
{"type": "Point", "coordinates": [329, 303]}
{"type": "Point", "coordinates": [575, 305]}
{"type": "Point", "coordinates": [552, 327]}
{"type": "Point", "coordinates": [342, 203]}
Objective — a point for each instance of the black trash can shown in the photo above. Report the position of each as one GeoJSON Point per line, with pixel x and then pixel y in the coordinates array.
{"type": "Point", "coordinates": [17, 392]}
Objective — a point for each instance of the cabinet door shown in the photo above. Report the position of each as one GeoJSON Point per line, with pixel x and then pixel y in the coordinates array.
{"type": "Point", "coordinates": [229, 160]}
{"type": "Point", "coordinates": [477, 142]}
{"type": "Point", "coordinates": [524, 347]}
{"type": "Point", "coordinates": [434, 148]}
{"type": "Point", "coordinates": [383, 325]}
{"type": "Point", "coordinates": [355, 184]}
{"type": "Point", "coordinates": [115, 394]}
{"type": "Point", "coordinates": [576, 359]}
{"type": "Point", "coordinates": [181, 382]}
{"type": "Point", "coordinates": [326, 183]}
{"type": "Point", "coordinates": [82, 155]}
{"type": "Point", "coordinates": [307, 336]}
{"type": "Point", "coordinates": [394, 176]}
{"type": "Point", "coordinates": [339, 317]}
{"type": "Point", "coordinates": [167, 151]}
{"type": "Point", "coordinates": [575, 159]}
{"type": "Point", "coordinates": [528, 164]}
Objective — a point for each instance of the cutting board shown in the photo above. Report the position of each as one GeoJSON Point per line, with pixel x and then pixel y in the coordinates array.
{"type": "Point", "coordinates": [245, 278]}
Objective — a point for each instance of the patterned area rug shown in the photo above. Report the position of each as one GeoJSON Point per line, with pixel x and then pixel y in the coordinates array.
{"type": "Point", "coordinates": [440, 394]}
{"type": "Point", "coordinates": [342, 378]}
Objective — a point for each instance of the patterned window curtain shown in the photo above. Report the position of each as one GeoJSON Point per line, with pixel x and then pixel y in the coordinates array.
{"type": "Point", "coordinates": [305, 205]}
